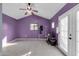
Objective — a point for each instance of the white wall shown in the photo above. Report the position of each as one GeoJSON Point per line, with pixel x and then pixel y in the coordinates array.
{"type": "Point", "coordinates": [77, 32]}
{"type": "Point", "coordinates": [1, 31]}
{"type": "Point", "coordinates": [46, 10]}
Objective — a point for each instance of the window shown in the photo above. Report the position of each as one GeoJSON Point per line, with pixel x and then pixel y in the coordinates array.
{"type": "Point", "coordinates": [53, 24]}
{"type": "Point", "coordinates": [33, 26]}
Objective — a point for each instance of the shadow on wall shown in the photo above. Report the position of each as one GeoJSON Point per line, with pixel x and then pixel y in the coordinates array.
{"type": "Point", "coordinates": [9, 24]}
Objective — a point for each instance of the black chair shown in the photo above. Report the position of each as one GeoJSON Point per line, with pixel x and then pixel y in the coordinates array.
{"type": "Point", "coordinates": [51, 39]}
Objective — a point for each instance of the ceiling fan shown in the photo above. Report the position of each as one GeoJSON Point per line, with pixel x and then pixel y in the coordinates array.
{"type": "Point", "coordinates": [29, 9]}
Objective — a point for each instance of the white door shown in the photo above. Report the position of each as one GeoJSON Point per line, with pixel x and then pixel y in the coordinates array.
{"type": "Point", "coordinates": [66, 34]}
{"type": "Point", "coordinates": [63, 34]}
{"type": "Point", "coordinates": [77, 33]}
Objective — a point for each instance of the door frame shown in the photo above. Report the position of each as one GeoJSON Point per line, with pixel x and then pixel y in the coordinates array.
{"type": "Point", "coordinates": [72, 30]}
{"type": "Point", "coordinates": [76, 10]}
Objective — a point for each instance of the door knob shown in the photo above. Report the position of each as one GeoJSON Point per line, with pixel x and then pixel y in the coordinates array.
{"type": "Point", "coordinates": [70, 38]}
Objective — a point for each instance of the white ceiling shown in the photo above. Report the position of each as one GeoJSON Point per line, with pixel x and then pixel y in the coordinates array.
{"type": "Point", "coordinates": [46, 10]}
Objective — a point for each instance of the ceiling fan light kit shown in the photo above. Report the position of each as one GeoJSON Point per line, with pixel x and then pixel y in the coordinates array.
{"type": "Point", "coordinates": [29, 9]}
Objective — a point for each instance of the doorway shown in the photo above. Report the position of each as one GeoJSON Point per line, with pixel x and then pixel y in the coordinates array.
{"type": "Point", "coordinates": [67, 33]}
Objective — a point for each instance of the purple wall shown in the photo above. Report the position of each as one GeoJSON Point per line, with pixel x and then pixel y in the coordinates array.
{"type": "Point", "coordinates": [9, 24]}
{"type": "Point", "coordinates": [67, 7]}
{"type": "Point", "coordinates": [21, 27]}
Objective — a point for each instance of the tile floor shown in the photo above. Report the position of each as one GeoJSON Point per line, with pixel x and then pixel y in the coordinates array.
{"type": "Point", "coordinates": [30, 48]}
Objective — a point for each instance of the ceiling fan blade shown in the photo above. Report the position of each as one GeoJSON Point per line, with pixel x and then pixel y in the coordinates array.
{"type": "Point", "coordinates": [32, 13]}
{"type": "Point", "coordinates": [35, 10]}
{"type": "Point", "coordinates": [25, 13]}
{"type": "Point", "coordinates": [22, 9]}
